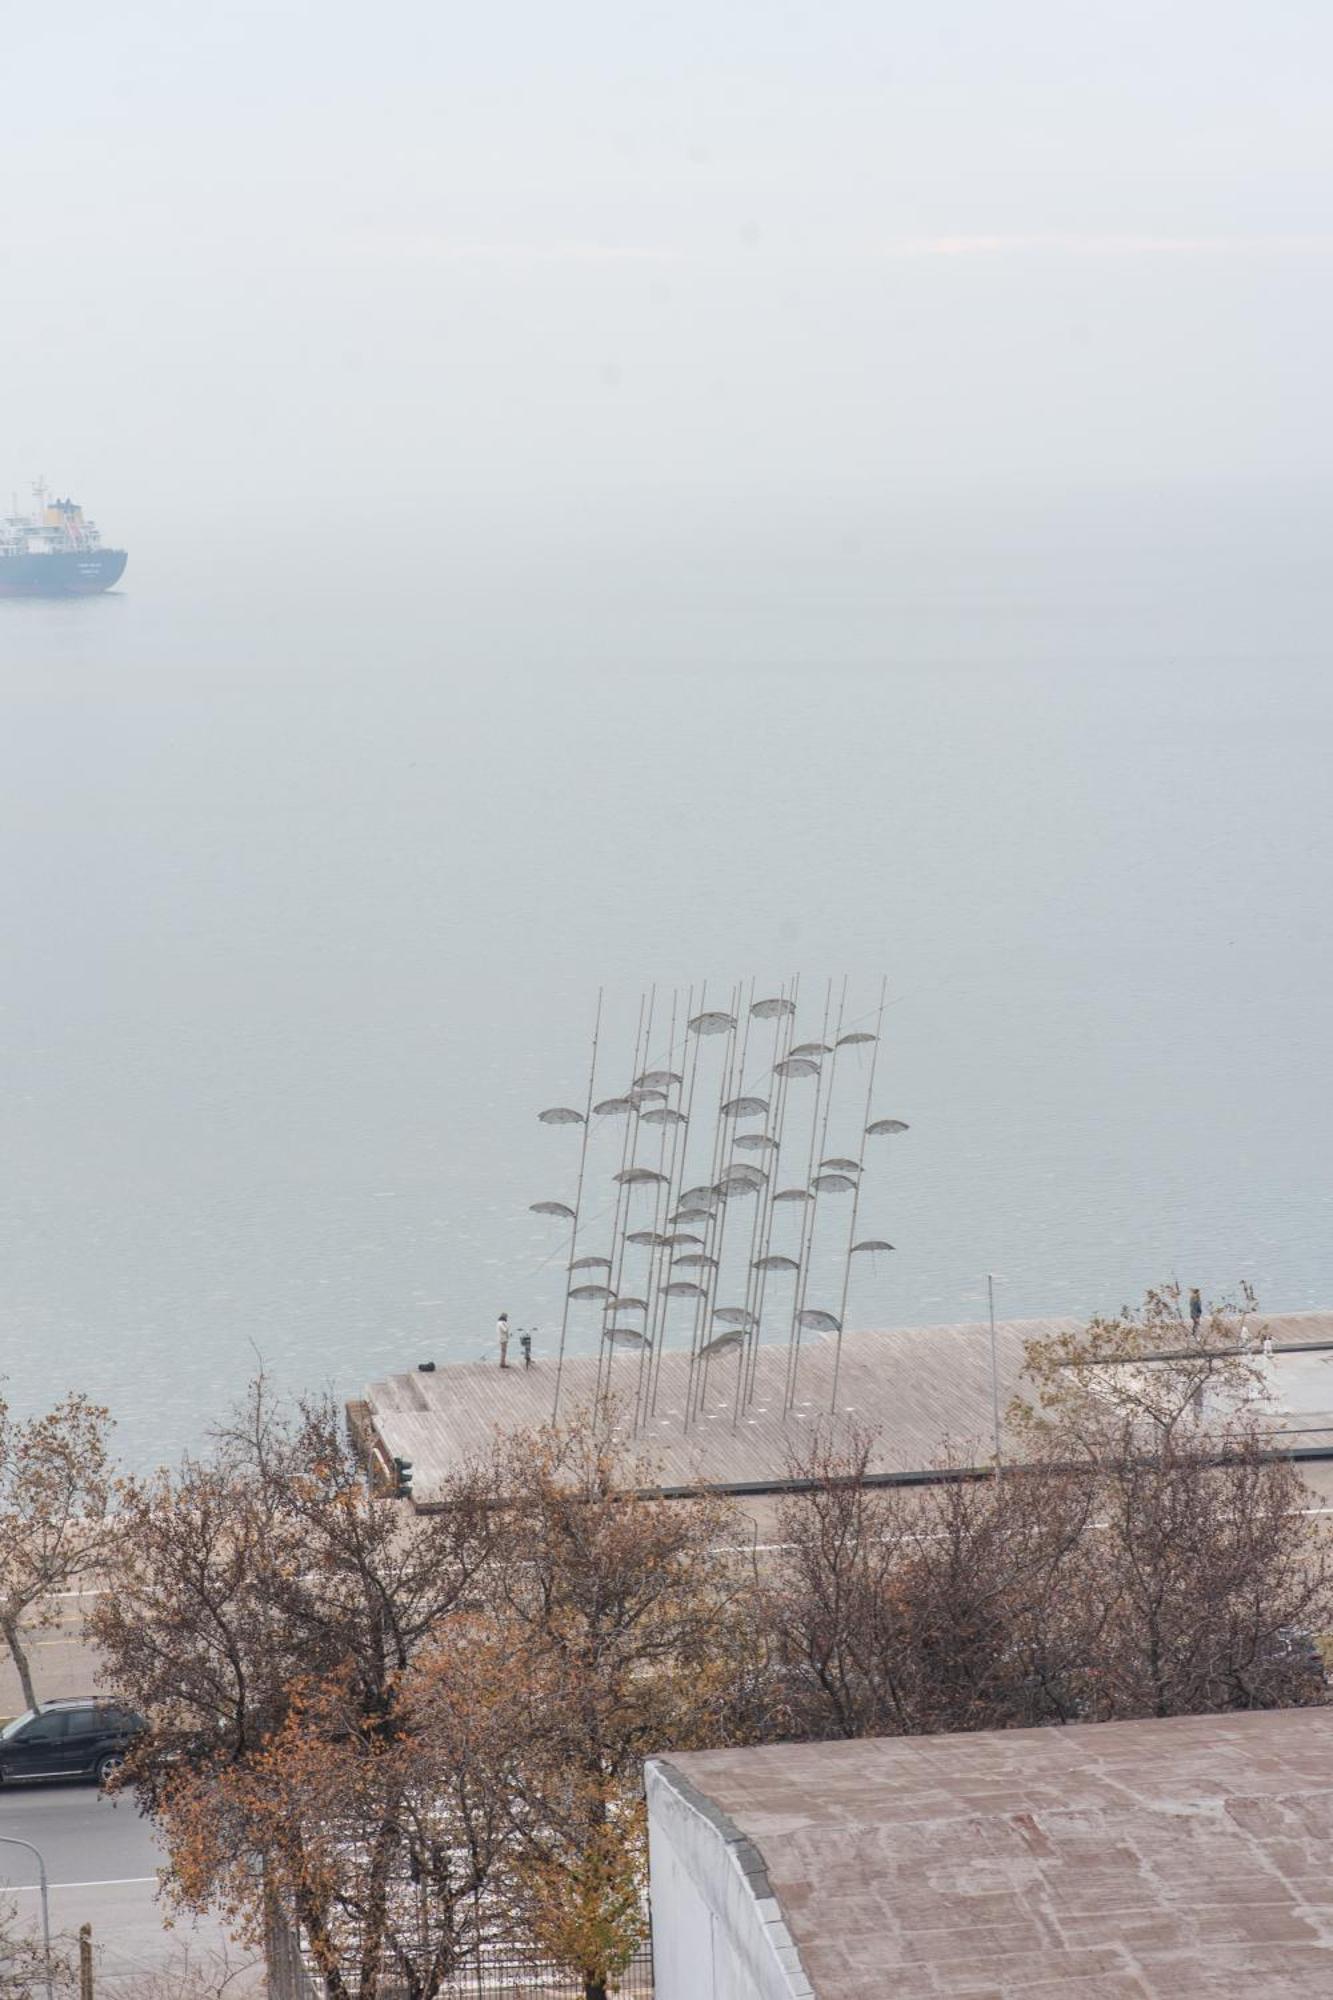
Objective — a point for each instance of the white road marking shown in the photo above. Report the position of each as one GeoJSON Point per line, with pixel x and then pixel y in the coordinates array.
{"type": "Point", "coordinates": [116, 1882]}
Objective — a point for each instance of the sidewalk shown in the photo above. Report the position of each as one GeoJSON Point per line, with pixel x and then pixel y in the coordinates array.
{"type": "Point", "coordinates": [135, 1956]}
{"type": "Point", "coordinates": [62, 1660]}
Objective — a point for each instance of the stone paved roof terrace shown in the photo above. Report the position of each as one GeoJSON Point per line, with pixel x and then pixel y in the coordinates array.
{"type": "Point", "coordinates": [1155, 1860]}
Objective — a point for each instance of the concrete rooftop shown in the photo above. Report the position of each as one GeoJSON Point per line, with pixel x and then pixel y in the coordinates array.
{"type": "Point", "coordinates": [1157, 1860]}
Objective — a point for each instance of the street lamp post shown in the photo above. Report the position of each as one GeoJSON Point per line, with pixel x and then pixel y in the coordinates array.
{"type": "Point", "coordinates": [994, 1378]}
{"type": "Point", "coordinates": [9, 1841]}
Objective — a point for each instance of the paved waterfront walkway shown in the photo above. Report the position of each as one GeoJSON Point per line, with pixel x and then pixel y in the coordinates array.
{"type": "Point", "coordinates": [925, 1392]}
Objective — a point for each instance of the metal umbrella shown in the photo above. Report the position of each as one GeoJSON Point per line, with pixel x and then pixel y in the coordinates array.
{"type": "Point", "coordinates": [796, 1066]}
{"type": "Point", "coordinates": [819, 1321]}
{"type": "Point", "coordinates": [712, 1024]}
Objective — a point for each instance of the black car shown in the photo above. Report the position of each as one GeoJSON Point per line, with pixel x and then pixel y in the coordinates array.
{"type": "Point", "coordinates": [80, 1738]}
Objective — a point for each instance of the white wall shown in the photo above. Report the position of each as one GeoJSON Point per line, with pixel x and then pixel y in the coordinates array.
{"type": "Point", "coordinates": [718, 1932]}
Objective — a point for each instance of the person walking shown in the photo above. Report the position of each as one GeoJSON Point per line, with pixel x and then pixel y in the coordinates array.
{"type": "Point", "coordinates": [1196, 1310]}
{"type": "Point", "coordinates": [502, 1331]}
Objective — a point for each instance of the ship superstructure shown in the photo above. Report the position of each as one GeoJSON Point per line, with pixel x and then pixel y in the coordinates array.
{"type": "Point", "coordinates": [55, 552]}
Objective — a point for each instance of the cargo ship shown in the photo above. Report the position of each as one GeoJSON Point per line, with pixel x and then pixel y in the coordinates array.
{"type": "Point", "coordinates": [55, 552]}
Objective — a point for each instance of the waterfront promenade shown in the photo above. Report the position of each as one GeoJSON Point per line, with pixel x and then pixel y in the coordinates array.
{"type": "Point", "coordinates": [923, 1393]}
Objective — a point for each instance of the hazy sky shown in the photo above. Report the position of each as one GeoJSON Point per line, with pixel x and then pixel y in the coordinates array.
{"type": "Point", "coordinates": [523, 257]}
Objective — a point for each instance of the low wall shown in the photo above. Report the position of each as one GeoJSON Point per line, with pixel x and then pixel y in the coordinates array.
{"type": "Point", "coordinates": [718, 1932]}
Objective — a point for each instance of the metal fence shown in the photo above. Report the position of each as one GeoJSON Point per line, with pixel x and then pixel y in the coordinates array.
{"type": "Point", "coordinates": [525, 1977]}
{"type": "Point", "coordinates": [497, 1975]}
{"type": "Point", "coordinates": [288, 1975]}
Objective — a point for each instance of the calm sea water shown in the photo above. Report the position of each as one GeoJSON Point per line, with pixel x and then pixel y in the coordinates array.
{"type": "Point", "coordinates": [312, 868]}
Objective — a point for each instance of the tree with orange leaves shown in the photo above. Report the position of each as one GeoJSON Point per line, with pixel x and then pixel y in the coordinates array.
{"type": "Point", "coordinates": [612, 1628]}
{"type": "Point", "coordinates": [266, 1614]}
{"type": "Point", "coordinates": [420, 1735]}
{"type": "Point", "coordinates": [381, 1838]}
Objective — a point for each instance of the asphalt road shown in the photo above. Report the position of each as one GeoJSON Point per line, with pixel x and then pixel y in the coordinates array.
{"type": "Point", "coordinates": [101, 1862]}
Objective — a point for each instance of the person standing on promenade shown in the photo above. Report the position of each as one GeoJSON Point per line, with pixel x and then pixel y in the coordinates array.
{"type": "Point", "coordinates": [525, 1342]}
{"type": "Point", "coordinates": [502, 1330]}
{"type": "Point", "coordinates": [1196, 1310]}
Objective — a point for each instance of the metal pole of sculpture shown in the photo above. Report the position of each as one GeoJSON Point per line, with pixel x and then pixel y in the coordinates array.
{"type": "Point", "coordinates": [578, 1203]}
{"type": "Point", "coordinates": [856, 1193]}
{"type": "Point", "coordinates": [811, 1198]}
{"type": "Point", "coordinates": [628, 1110]}
{"type": "Point", "coordinates": [686, 1246]}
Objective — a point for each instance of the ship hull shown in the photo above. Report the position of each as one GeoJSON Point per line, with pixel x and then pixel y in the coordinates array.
{"type": "Point", "coordinates": [72, 573]}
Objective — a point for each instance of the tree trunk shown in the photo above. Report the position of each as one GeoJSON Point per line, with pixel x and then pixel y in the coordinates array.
{"type": "Point", "coordinates": [594, 1986]}
{"type": "Point", "coordinates": [10, 1627]}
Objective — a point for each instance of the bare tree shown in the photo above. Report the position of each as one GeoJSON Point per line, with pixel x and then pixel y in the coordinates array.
{"type": "Point", "coordinates": [1145, 1367]}
{"type": "Point", "coordinates": [1213, 1577]}
{"type": "Point", "coordinates": [834, 1610]}
{"type": "Point", "coordinates": [191, 1973]}
{"type": "Point", "coordinates": [55, 1488]}
{"type": "Point", "coordinates": [26, 1969]}
{"type": "Point", "coordinates": [1211, 1574]}
{"type": "Point", "coordinates": [263, 1568]}
{"type": "Point", "coordinates": [895, 1612]}
{"type": "Point", "coordinates": [996, 1624]}
{"type": "Point", "coordinates": [1153, 1554]}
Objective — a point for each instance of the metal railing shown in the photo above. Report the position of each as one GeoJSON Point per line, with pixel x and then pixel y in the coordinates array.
{"type": "Point", "coordinates": [495, 1974]}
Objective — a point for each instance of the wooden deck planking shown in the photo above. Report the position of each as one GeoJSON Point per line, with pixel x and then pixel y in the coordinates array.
{"type": "Point", "coordinates": [922, 1392]}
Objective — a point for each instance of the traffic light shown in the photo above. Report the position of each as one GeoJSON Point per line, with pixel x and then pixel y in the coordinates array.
{"type": "Point", "coordinates": [402, 1479]}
